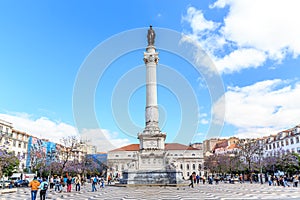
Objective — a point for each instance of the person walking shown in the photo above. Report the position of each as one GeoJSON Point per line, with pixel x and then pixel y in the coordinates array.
{"type": "Point", "coordinates": [102, 183]}
{"type": "Point", "coordinates": [198, 179]}
{"type": "Point", "coordinates": [69, 184]}
{"type": "Point", "coordinates": [57, 184]}
{"type": "Point", "coordinates": [34, 185]}
{"type": "Point", "coordinates": [77, 182]}
{"type": "Point", "coordinates": [270, 180]}
{"type": "Point", "coordinates": [192, 179]}
{"type": "Point", "coordinates": [94, 182]}
{"type": "Point", "coordinates": [43, 189]}
{"type": "Point", "coordinates": [109, 180]}
{"type": "Point", "coordinates": [296, 180]}
{"type": "Point", "coordinates": [51, 182]}
{"type": "Point", "coordinates": [285, 182]}
{"type": "Point", "coordinates": [203, 179]}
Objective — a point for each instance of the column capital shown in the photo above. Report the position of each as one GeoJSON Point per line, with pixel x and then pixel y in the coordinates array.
{"type": "Point", "coordinates": [151, 58]}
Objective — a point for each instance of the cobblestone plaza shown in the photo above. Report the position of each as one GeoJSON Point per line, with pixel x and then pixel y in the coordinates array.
{"type": "Point", "coordinates": [220, 191]}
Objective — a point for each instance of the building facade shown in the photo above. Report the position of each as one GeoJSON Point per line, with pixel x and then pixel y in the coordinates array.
{"type": "Point", "coordinates": [283, 142]}
{"type": "Point", "coordinates": [30, 150]}
{"type": "Point", "coordinates": [209, 145]}
{"type": "Point", "coordinates": [184, 158]}
{"type": "Point", "coordinates": [14, 141]}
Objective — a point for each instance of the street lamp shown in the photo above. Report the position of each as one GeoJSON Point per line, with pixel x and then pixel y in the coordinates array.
{"type": "Point", "coordinates": [260, 153]}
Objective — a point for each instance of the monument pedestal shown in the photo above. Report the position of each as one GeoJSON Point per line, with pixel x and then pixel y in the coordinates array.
{"type": "Point", "coordinates": [153, 169]}
{"type": "Point", "coordinates": [170, 177]}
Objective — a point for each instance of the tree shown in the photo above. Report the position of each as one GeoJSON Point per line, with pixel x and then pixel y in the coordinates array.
{"type": "Point", "coordinates": [70, 144]}
{"type": "Point", "coordinates": [249, 150]}
{"type": "Point", "coordinates": [288, 163]}
{"type": "Point", "coordinates": [210, 163]}
{"type": "Point", "coordinates": [224, 163]}
{"type": "Point", "coordinates": [270, 163]}
{"type": "Point", "coordinates": [8, 162]}
{"type": "Point", "coordinates": [89, 166]}
{"type": "Point", "coordinates": [37, 159]}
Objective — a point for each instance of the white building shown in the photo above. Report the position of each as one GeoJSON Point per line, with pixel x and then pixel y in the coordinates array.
{"type": "Point", "coordinates": [283, 142]}
{"type": "Point", "coordinates": [185, 158]}
{"type": "Point", "coordinates": [19, 146]}
{"type": "Point", "coordinates": [14, 141]}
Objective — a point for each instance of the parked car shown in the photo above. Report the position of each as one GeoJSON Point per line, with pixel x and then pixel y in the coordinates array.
{"type": "Point", "coordinates": [6, 184]}
{"type": "Point", "coordinates": [21, 183]}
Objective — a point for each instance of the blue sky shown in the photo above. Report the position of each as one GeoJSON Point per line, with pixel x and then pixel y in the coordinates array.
{"type": "Point", "coordinates": [254, 47]}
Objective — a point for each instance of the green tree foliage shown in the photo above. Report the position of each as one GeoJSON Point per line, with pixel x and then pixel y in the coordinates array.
{"type": "Point", "coordinates": [8, 163]}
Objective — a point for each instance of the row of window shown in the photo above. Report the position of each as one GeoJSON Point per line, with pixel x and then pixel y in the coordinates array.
{"type": "Point", "coordinates": [14, 143]}
{"type": "Point", "coordinates": [282, 143]}
{"type": "Point", "coordinates": [1, 129]}
{"type": "Point", "coordinates": [170, 155]}
{"type": "Point", "coordinates": [13, 134]}
{"type": "Point", "coordinates": [193, 167]}
{"type": "Point", "coordinates": [129, 155]}
{"type": "Point", "coordinates": [181, 154]}
{"type": "Point", "coordinates": [287, 151]}
{"type": "Point", "coordinates": [20, 144]}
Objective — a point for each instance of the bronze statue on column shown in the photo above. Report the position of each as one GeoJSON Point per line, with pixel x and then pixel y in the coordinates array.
{"type": "Point", "coordinates": [151, 36]}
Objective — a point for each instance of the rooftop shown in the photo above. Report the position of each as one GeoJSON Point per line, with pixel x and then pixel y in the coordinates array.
{"type": "Point", "coordinates": [168, 146]}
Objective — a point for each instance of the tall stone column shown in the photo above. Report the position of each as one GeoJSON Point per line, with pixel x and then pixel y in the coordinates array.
{"type": "Point", "coordinates": [151, 138]}
{"type": "Point", "coordinates": [151, 112]}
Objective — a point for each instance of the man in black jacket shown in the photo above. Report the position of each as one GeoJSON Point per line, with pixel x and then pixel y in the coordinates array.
{"type": "Point", "coordinates": [192, 176]}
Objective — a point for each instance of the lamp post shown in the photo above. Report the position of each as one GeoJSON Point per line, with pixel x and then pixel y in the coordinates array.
{"type": "Point", "coordinates": [260, 152]}
{"type": "Point", "coordinates": [1, 147]}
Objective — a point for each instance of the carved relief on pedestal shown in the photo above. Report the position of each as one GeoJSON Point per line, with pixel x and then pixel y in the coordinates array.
{"type": "Point", "coordinates": [150, 144]}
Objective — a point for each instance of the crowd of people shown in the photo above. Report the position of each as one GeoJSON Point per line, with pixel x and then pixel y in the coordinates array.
{"type": "Point", "coordinates": [284, 180]}
{"type": "Point", "coordinates": [273, 180]}
{"type": "Point", "coordinates": [58, 183]}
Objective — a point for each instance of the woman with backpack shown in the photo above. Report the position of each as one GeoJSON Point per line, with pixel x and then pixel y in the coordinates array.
{"type": "Point", "coordinates": [43, 189]}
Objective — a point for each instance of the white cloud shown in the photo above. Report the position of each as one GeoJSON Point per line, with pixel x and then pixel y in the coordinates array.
{"type": "Point", "coordinates": [269, 28]}
{"type": "Point", "coordinates": [104, 139]}
{"type": "Point", "coordinates": [47, 129]}
{"type": "Point", "coordinates": [271, 104]}
{"type": "Point", "coordinates": [204, 121]}
{"type": "Point", "coordinates": [203, 118]}
{"type": "Point", "coordinates": [240, 59]}
{"type": "Point", "coordinates": [41, 127]}
{"type": "Point", "coordinates": [197, 21]}
{"type": "Point", "coordinates": [256, 132]}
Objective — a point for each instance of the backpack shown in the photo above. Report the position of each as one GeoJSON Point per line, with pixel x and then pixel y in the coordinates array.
{"type": "Point", "coordinates": [45, 187]}
{"type": "Point", "coordinates": [95, 180]}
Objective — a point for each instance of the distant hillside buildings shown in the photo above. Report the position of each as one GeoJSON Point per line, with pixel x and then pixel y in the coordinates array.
{"type": "Point", "coordinates": [282, 142]}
